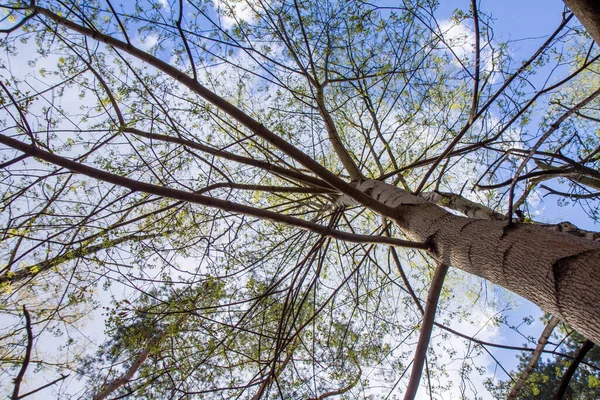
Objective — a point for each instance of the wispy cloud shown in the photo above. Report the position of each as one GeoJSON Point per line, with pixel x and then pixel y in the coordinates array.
{"type": "Point", "coordinates": [233, 12]}
{"type": "Point", "coordinates": [460, 38]}
{"type": "Point", "coordinates": [165, 4]}
{"type": "Point", "coordinates": [146, 42]}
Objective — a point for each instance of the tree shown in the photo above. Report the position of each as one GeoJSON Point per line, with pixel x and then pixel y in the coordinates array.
{"type": "Point", "coordinates": [257, 178]}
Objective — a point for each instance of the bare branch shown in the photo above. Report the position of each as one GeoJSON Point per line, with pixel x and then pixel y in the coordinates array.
{"type": "Point", "coordinates": [43, 387]}
{"type": "Point", "coordinates": [534, 357]}
{"type": "Point", "coordinates": [126, 377]}
{"type": "Point", "coordinates": [203, 200]}
{"type": "Point", "coordinates": [25, 364]}
{"type": "Point", "coordinates": [426, 327]}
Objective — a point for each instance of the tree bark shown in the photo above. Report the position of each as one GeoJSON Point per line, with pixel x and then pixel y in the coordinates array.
{"type": "Point", "coordinates": [557, 271]}
{"type": "Point", "coordinates": [588, 13]}
{"type": "Point", "coordinates": [463, 205]}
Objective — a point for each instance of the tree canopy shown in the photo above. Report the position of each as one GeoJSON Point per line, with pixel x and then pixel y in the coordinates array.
{"type": "Point", "coordinates": [293, 199]}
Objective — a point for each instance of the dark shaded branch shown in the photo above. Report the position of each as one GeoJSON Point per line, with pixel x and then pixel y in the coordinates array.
{"type": "Point", "coordinates": [477, 63]}
{"type": "Point", "coordinates": [119, 21]}
{"type": "Point", "coordinates": [44, 386]}
{"type": "Point", "coordinates": [18, 24]}
{"type": "Point", "coordinates": [126, 377]}
{"type": "Point", "coordinates": [341, 390]}
{"type": "Point", "coordinates": [571, 195]}
{"type": "Point", "coordinates": [25, 364]}
{"type": "Point", "coordinates": [566, 379]}
{"type": "Point", "coordinates": [185, 42]}
{"type": "Point", "coordinates": [13, 161]}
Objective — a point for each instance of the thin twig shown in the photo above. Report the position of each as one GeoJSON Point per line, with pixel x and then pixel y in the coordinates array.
{"type": "Point", "coordinates": [44, 386]}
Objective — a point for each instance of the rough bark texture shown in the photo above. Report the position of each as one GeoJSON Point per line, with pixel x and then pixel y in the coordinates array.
{"type": "Point", "coordinates": [557, 271]}
{"type": "Point", "coordinates": [588, 13]}
{"type": "Point", "coordinates": [462, 204]}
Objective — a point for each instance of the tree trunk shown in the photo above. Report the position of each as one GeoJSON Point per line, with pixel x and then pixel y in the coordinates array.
{"type": "Point", "coordinates": [558, 272]}
{"type": "Point", "coordinates": [588, 13]}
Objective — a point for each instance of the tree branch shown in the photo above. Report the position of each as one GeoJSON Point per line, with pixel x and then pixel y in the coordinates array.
{"type": "Point", "coordinates": [25, 364]}
{"type": "Point", "coordinates": [534, 357]}
{"type": "Point", "coordinates": [126, 377]}
{"type": "Point", "coordinates": [340, 391]}
{"type": "Point", "coordinates": [204, 200]}
{"type": "Point", "coordinates": [425, 336]}
{"type": "Point", "coordinates": [566, 379]}
{"type": "Point", "coordinates": [228, 108]}
{"type": "Point", "coordinates": [44, 386]}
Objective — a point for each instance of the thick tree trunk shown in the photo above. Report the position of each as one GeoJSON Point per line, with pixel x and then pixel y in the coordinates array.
{"type": "Point", "coordinates": [558, 272]}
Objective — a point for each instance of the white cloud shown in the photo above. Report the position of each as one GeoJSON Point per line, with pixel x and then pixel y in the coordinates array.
{"type": "Point", "coordinates": [233, 12]}
{"type": "Point", "coordinates": [146, 42]}
{"type": "Point", "coordinates": [165, 4]}
{"type": "Point", "coordinates": [460, 38]}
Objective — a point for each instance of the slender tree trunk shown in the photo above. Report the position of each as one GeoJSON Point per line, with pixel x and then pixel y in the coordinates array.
{"type": "Point", "coordinates": [108, 389]}
{"type": "Point", "coordinates": [535, 357]}
{"type": "Point", "coordinates": [558, 272]}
